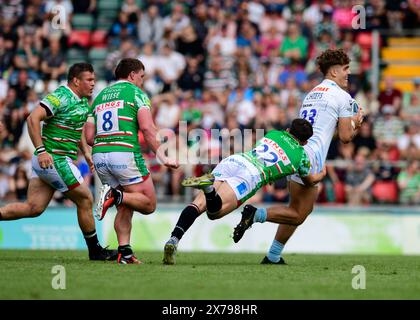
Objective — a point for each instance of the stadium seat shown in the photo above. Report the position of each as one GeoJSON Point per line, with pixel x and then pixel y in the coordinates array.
{"type": "Point", "coordinates": [340, 192]}
{"type": "Point", "coordinates": [82, 21]}
{"type": "Point", "coordinates": [364, 39]}
{"type": "Point", "coordinates": [97, 57]}
{"type": "Point", "coordinates": [104, 21]}
{"type": "Point", "coordinates": [76, 55]}
{"type": "Point", "coordinates": [98, 39]}
{"type": "Point", "coordinates": [80, 38]}
{"type": "Point", "coordinates": [109, 5]}
{"type": "Point", "coordinates": [385, 191]}
{"type": "Point", "coordinates": [109, 8]}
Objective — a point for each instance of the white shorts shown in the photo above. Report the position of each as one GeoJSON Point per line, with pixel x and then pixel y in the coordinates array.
{"type": "Point", "coordinates": [316, 166]}
{"type": "Point", "coordinates": [241, 175]}
{"type": "Point", "coordinates": [64, 176]}
{"type": "Point", "coordinates": [120, 168]}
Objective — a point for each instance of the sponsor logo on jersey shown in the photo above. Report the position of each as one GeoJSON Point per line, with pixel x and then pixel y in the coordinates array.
{"type": "Point", "coordinates": [323, 89]}
{"type": "Point", "coordinates": [53, 100]}
{"type": "Point", "coordinates": [283, 156]}
{"type": "Point", "coordinates": [241, 188]}
{"type": "Point", "coordinates": [109, 105]}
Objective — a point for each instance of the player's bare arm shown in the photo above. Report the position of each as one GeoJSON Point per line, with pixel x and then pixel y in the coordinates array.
{"type": "Point", "coordinates": [313, 179]}
{"type": "Point", "coordinates": [86, 149]}
{"type": "Point", "coordinates": [347, 127]}
{"type": "Point", "coordinates": [34, 127]}
{"type": "Point", "coordinates": [148, 127]}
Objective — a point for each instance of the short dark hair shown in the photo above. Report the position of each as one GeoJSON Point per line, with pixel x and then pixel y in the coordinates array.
{"type": "Point", "coordinates": [78, 68]}
{"type": "Point", "coordinates": [332, 57]}
{"type": "Point", "coordinates": [301, 129]}
{"type": "Point", "coordinates": [125, 66]}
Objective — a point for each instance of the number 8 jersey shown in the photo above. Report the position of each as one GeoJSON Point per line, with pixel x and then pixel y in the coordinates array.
{"type": "Point", "coordinates": [115, 113]}
{"type": "Point", "coordinates": [322, 107]}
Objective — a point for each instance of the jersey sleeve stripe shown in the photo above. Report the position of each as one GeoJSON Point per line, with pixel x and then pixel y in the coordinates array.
{"type": "Point", "coordinates": [125, 118]}
{"type": "Point", "coordinates": [59, 151]}
{"type": "Point", "coordinates": [65, 140]}
{"type": "Point", "coordinates": [111, 134]}
{"type": "Point", "coordinates": [47, 108]}
{"type": "Point", "coordinates": [107, 144]}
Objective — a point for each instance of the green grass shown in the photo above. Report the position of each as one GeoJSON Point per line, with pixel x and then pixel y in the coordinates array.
{"type": "Point", "coordinates": [27, 275]}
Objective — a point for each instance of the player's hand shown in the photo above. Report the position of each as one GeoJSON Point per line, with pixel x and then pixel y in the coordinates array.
{"type": "Point", "coordinates": [45, 160]}
{"type": "Point", "coordinates": [358, 118]}
{"type": "Point", "coordinates": [324, 171]}
{"type": "Point", "coordinates": [89, 161]}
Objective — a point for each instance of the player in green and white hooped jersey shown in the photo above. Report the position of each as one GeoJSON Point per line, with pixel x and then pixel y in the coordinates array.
{"type": "Point", "coordinates": [120, 110]}
{"type": "Point", "coordinates": [64, 113]}
{"type": "Point", "coordinates": [238, 177]}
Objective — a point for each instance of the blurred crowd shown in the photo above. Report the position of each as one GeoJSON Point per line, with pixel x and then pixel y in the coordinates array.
{"type": "Point", "coordinates": [221, 65]}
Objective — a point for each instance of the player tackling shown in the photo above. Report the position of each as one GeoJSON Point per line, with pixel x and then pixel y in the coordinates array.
{"type": "Point", "coordinates": [327, 107]}
{"type": "Point", "coordinates": [238, 177]}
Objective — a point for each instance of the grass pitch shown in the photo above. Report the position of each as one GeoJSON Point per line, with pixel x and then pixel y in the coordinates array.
{"type": "Point", "coordinates": [28, 275]}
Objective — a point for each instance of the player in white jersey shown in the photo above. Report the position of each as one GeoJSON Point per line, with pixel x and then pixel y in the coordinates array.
{"type": "Point", "coordinates": [328, 107]}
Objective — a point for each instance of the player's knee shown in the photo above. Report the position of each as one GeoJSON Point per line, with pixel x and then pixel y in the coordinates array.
{"type": "Point", "coordinates": [150, 208]}
{"type": "Point", "coordinates": [299, 220]}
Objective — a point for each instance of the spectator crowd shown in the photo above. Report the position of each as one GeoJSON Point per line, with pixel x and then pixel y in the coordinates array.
{"type": "Point", "coordinates": [219, 65]}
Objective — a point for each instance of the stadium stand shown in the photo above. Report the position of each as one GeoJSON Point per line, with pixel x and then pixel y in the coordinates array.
{"type": "Point", "coordinates": [225, 65]}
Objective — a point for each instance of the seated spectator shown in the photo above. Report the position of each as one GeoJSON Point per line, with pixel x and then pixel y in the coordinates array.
{"type": "Point", "coordinates": [269, 40]}
{"type": "Point", "coordinates": [171, 65]}
{"type": "Point", "coordinates": [19, 183]}
{"type": "Point", "coordinates": [368, 100]}
{"type": "Point", "coordinates": [343, 14]}
{"type": "Point", "coordinates": [277, 192]}
{"type": "Point", "coordinates": [294, 46]}
{"type": "Point", "coordinates": [189, 45]}
{"type": "Point", "coordinates": [294, 71]}
{"type": "Point", "coordinates": [192, 78]}
{"type": "Point", "coordinates": [177, 20]}
{"type": "Point", "coordinates": [359, 179]}
{"type": "Point", "coordinates": [27, 57]}
{"type": "Point", "coordinates": [247, 36]}
{"type": "Point", "coordinates": [199, 20]}
{"type": "Point", "coordinates": [54, 64]}
{"type": "Point", "coordinates": [364, 138]}
{"type": "Point", "coordinates": [168, 111]}
{"type": "Point", "coordinates": [411, 103]}
{"type": "Point", "coordinates": [224, 41]}
{"type": "Point", "coordinates": [30, 25]}
{"type": "Point", "coordinates": [150, 26]}
{"type": "Point", "coordinates": [22, 88]}
{"type": "Point", "coordinates": [51, 8]}
{"type": "Point", "coordinates": [218, 80]}
{"type": "Point", "coordinates": [121, 29]}
{"type": "Point", "coordinates": [11, 10]}
{"type": "Point", "coordinates": [85, 6]}
{"type": "Point", "coordinates": [390, 96]}
{"type": "Point", "coordinates": [132, 9]}
{"type": "Point", "coordinates": [409, 184]}
{"type": "Point", "coordinates": [50, 30]}
{"type": "Point", "coordinates": [409, 142]}
{"type": "Point", "coordinates": [6, 58]}
{"type": "Point", "coordinates": [388, 128]}
{"type": "Point", "coordinates": [126, 50]}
